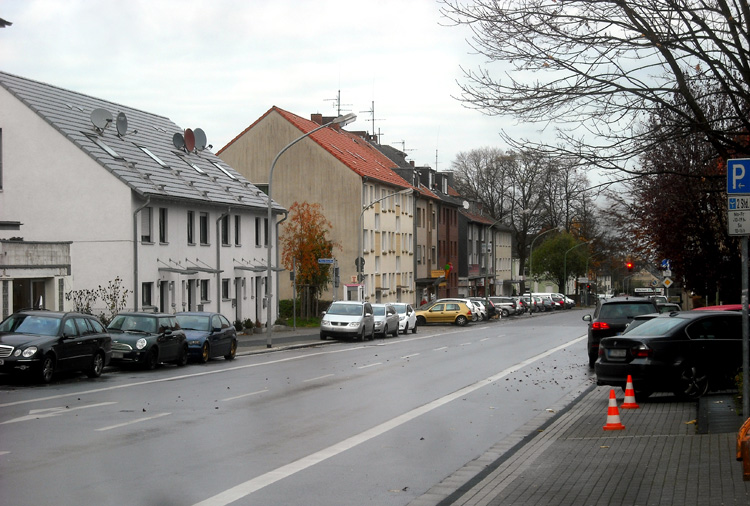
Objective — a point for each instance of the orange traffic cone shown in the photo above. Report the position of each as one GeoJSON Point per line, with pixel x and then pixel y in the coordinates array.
{"type": "Point", "coordinates": [629, 395]}
{"type": "Point", "coordinates": [613, 414]}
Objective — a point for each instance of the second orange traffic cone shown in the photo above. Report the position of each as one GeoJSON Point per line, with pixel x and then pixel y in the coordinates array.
{"type": "Point", "coordinates": [613, 414]}
{"type": "Point", "coordinates": [629, 402]}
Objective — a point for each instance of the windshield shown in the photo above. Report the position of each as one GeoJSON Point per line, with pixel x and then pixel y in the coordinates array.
{"type": "Point", "coordinates": [400, 308]}
{"type": "Point", "coordinates": [656, 326]}
{"type": "Point", "coordinates": [345, 309]}
{"type": "Point", "coordinates": [194, 322]}
{"type": "Point", "coordinates": [31, 324]}
{"type": "Point", "coordinates": [133, 323]}
{"type": "Point", "coordinates": [378, 310]}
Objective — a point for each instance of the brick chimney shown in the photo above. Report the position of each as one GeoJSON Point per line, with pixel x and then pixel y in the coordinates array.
{"type": "Point", "coordinates": [316, 118]}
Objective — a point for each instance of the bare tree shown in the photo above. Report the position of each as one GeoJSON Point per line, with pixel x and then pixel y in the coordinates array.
{"type": "Point", "coordinates": [594, 70]}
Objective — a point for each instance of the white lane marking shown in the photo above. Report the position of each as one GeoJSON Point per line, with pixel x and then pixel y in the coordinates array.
{"type": "Point", "coordinates": [131, 422]}
{"type": "Point", "coordinates": [464, 344]}
{"type": "Point", "coordinates": [4, 453]}
{"type": "Point", "coordinates": [441, 348]}
{"type": "Point", "coordinates": [317, 378]}
{"type": "Point", "coordinates": [244, 395]}
{"type": "Point", "coordinates": [370, 365]}
{"type": "Point", "coordinates": [485, 339]}
{"type": "Point", "coordinates": [271, 477]}
{"type": "Point", "coordinates": [412, 355]}
{"type": "Point", "coordinates": [50, 412]}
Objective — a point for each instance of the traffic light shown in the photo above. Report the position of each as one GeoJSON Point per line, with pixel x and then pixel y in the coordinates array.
{"type": "Point", "coordinates": [629, 266]}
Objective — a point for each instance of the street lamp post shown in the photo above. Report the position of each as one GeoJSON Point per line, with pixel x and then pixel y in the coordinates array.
{"type": "Point", "coordinates": [565, 265]}
{"type": "Point", "coordinates": [340, 120]}
{"type": "Point", "coordinates": [360, 260]}
{"type": "Point", "coordinates": [531, 250]}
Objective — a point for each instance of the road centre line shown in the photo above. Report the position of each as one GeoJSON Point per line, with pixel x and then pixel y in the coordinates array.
{"type": "Point", "coordinates": [36, 414]}
{"type": "Point", "coordinates": [318, 378]}
{"type": "Point", "coordinates": [440, 349]}
{"type": "Point", "coordinates": [254, 484]}
{"type": "Point", "coordinates": [244, 395]}
{"type": "Point", "coordinates": [369, 365]}
{"type": "Point", "coordinates": [412, 355]}
{"type": "Point", "coordinates": [131, 422]}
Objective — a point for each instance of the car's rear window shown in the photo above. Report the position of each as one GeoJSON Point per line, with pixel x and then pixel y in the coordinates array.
{"type": "Point", "coordinates": [656, 327]}
{"type": "Point", "coordinates": [625, 310]}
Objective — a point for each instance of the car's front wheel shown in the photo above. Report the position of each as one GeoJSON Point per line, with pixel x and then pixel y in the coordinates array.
{"type": "Point", "coordinates": [421, 320]}
{"type": "Point", "coordinates": [97, 366]}
{"type": "Point", "coordinates": [205, 352]}
{"type": "Point", "coordinates": [505, 313]}
{"type": "Point", "coordinates": [151, 360]}
{"type": "Point", "coordinates": [48, 369]}
{"type": "Point", "coordinates": [232, 350]}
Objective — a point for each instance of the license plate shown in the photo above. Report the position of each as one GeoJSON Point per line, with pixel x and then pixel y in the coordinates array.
{"type": "Point", "coordinates": [116, 354]}
{"type": "Point", "coordinates": [616, 353]}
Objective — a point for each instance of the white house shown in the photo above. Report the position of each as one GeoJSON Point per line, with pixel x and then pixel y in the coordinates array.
{"type": "Point", "coordinates": [91, 191]}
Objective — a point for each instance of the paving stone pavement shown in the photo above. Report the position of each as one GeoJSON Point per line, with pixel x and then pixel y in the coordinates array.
{"type": "Point", "coordinates": [564, 457]}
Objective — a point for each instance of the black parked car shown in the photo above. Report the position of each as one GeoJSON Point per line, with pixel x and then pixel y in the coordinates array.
{"type": "Point", "coordinates": [686, 352]}
{"type": "Point", "coordinates": [147, 339]}
{"type": "Point", "coordinates": [208, 335]}
{"type": "Point", "coordinates": [45, 342]}
{"type": "Point", "coordinates": [610, 318]}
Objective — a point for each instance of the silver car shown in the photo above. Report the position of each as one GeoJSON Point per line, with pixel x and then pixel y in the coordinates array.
{"type": "Point", "coordinates": [386, 319]}
{"type": "Point", "coordinates": [348, 318]}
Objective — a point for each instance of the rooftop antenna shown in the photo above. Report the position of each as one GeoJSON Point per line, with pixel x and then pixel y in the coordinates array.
{"type": "Point", "coordinates": [337, 104]}
{"type": "Point", "coordinates": [371, 112]}
{"type": "Point", "coordinates": [403, 146]}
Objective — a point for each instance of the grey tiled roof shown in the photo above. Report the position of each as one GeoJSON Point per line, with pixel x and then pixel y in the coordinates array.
{"type": "Point", "coordinates": [70, 114]}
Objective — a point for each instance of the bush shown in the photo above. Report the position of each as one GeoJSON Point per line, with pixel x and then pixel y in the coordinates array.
{"type": "Point", "coordinates": [249, 324]}
{"type": "Point", "coordinates": [238, 326]}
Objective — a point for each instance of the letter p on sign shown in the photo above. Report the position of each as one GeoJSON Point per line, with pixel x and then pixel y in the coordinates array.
{"type": "Point", "coordinates": [738, 174]}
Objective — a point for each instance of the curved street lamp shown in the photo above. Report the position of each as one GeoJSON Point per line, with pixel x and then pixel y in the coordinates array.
{"type": "Point", "coordinates": [360, 260]}
{"type": "Point", "coordinates": [565, 265]}
{"type": "Point", "coordinates": [341, 120]}
{"type": "Point", "coordinates": [531, 250]}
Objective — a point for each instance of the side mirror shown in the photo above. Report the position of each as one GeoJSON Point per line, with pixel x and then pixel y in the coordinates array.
{"type": "Point", "coordinates": [216, 329]}
{"type": "Point", "coordinates": [586, 318]}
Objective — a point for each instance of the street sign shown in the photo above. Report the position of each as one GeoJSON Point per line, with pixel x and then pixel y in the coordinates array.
{"type": "Point", "coordinates": [738, 222]}
{"type": "Point", "coordinates": [739, 203]}
{"type": "Point", "coordinates": [325, 260]}
{"type": "Point", "coordinates": [738, 176]}
{"type": "Point", "coordinates": [359, 263]}
{"type": "Point", "coordinates": [667, 282]}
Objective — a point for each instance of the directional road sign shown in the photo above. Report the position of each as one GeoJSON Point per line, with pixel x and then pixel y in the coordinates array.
{"type": "Point", "coordinates": [325, 260]}
{"type": "Point", "coordinates": [738, 176]}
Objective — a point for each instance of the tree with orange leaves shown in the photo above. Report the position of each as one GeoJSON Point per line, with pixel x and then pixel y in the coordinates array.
{"type": "Point", "coordinates": [303, 242]}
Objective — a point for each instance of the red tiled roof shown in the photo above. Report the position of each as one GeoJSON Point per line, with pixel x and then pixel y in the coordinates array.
{"type": "Point", "coordinates": [353, 151]}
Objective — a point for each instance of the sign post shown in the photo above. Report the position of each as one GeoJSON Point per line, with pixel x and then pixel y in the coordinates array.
{"type": "Point", "coordinates": [738, 221]}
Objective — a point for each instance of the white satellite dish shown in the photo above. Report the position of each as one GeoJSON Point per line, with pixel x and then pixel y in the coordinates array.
{"type": "Point", "coordinates": [466, 205]}
{"type": "Point", "coordinates": [178, 140]}
{"type": "Point", "coordinates": [122, 124]}
{"type": "Point", "coordinates": [101, 118]}
{"type": "Point", "coordinates": [200, 139]}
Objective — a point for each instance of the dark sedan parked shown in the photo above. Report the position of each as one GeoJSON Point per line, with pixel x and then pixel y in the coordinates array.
{"type": "Point", "coordinates": [209, 335]}
{"type": "Point", "coordinates": [45, 342]}
{"type": "Point", "coordinates": [686, 352]}
{"type": "Point", "coordinates": [147, 339]}
{"type": "Point", "coordinates": [611, 317]}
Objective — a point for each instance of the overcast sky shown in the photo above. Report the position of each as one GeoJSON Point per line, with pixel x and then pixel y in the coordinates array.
{"type": "Point", "coordinates": [219, 65]}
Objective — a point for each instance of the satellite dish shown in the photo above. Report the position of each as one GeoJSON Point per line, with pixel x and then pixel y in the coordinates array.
{"type": "Point", "coordinates": [189, 139]}
{"type": "Point", "coordinates": [466, 205]}
{"type": "Point", "coordinates": [178, 140]}
{"type": "Point", "coordinates": [101, 118]}
{"type": "Point", "coordinates": [200, 139]}
{"type": "Point", "coordinates": [122, 124]}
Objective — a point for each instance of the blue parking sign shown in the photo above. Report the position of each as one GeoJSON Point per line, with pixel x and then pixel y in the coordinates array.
{"type": "Point", "coordinates": [738, 176]}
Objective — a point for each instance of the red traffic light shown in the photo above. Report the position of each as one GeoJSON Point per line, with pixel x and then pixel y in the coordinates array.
{"type": "Point", "coordinates": [629, 265]}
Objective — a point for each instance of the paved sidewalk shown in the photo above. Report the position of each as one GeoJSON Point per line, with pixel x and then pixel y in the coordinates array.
{"type": "Point", "coordinates": [564, 457]}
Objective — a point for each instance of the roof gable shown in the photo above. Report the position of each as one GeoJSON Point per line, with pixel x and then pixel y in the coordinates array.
{"type": "Point", "coordinates": [170, 173]}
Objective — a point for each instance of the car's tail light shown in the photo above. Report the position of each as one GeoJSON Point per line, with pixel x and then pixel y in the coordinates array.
{"type": "Point", "coordinates": [600, 326]}
{"type": "Point", "coordinates": [641, 351]}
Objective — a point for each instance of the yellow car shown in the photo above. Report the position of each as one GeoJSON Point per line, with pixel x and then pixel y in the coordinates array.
{"type": "Point", "coordinates": [444, 312]}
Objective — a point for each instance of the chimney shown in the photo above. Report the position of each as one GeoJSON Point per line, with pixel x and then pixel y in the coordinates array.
{"type": "Point", "coordinates": [316, 118]}
{"type": "Point", "coordinates": [411, 162]}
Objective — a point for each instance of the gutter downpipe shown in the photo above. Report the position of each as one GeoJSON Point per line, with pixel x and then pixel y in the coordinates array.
{"type": "Point", "coordinates": [218, 258]}
{"type": "Point", "coordinates": [136, 291]}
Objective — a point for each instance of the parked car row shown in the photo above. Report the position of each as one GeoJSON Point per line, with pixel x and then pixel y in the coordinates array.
{"type": "Point", "coordinates": [664, 349]}
{"type": "Point", "coordinates": [365, 320]}
{"type": "Point", "coordinates": [43, 343]}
